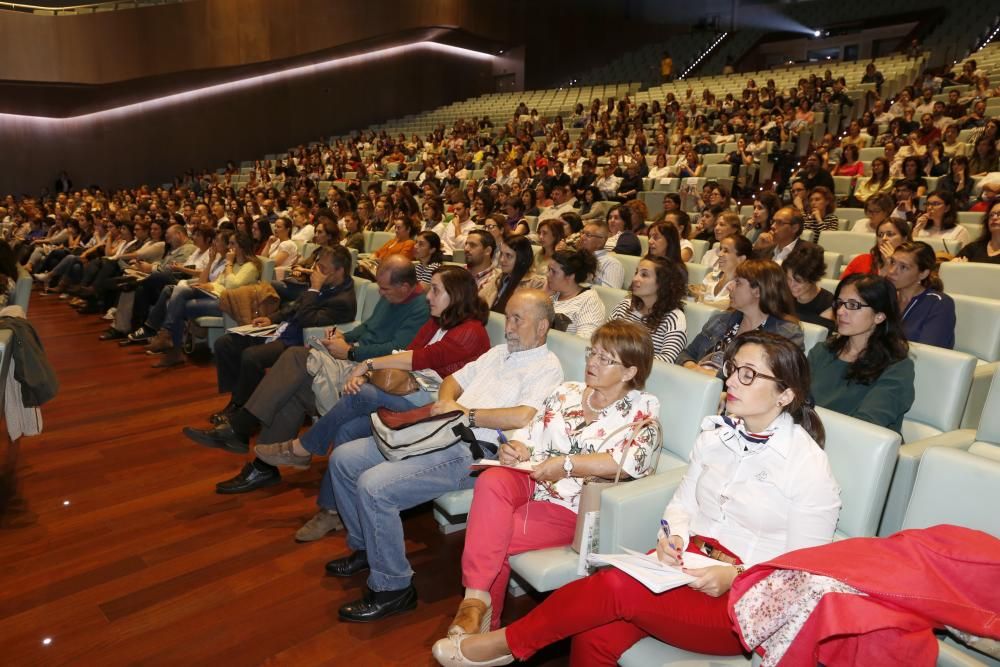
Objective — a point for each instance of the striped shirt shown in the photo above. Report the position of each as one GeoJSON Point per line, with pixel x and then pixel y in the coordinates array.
{"type": "Point", "coordinates": [424, 272]}
{"type": "Point", "coordinates": [830, 222]}
{"type": "Point", "coordinates": [585, 312]}
{"type": "Point", "coordinates": [669, 338]}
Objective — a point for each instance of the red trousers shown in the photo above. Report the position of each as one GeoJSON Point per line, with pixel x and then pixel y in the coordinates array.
{"type": "Point", "coordinates": [504, 521]}
{"type": "Point", "coordinates": [610, 611]}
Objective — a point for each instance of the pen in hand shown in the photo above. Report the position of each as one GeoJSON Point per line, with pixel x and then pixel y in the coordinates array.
{"type": "Point", "coordinates": [665, 527]}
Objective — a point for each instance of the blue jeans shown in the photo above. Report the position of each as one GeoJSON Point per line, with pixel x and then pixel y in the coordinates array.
{"type": "Point", "coordinates": [371, 492]}
{"type": "Point", "coordinates": [350, 419]}
{"type": "Point", "coordinates": [187, 303]}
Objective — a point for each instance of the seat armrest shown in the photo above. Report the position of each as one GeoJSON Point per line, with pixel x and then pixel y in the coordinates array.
{"type": "Point", "coordinates": [630, 512]}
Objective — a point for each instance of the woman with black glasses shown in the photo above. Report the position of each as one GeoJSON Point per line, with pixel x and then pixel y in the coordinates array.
{"type": "Point", "coordinates": [864, 370]}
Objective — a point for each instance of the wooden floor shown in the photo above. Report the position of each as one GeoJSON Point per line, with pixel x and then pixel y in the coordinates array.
{"type": "Point", "coordinates": [115, 549]}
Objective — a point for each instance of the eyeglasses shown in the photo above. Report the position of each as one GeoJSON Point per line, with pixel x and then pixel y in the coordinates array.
{"type": "Point", "coordinates": [850, 304]}
{"type": "Point", "coordinates": [935, 204]}
{"type": "Point", "coordinates": [602, 359]}
{"type": "Point", "coordinates": [589, 235]}
{"type": "Point", "coordinates": [745, 374]}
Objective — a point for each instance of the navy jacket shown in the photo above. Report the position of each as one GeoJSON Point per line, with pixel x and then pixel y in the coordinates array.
{"type": "Point", "coordinates": [930, 319]}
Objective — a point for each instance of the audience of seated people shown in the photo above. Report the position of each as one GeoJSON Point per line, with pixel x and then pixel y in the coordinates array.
{"type": "Point", "coordinates": [768, 417]}
{"type": "Point", "coordinates": [535, 246]}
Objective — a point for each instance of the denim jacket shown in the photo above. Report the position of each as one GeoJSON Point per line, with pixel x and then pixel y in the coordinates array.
{"type": "Point", "coordinates": [717, 326]}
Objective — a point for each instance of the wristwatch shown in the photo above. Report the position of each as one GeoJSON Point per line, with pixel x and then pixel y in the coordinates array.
{"type": "Point", "coordinates": [472, 418]}
{"type": "Point", "coordinates": [568, 465]}
{"type": "Point", "coordinates": [370, 365]}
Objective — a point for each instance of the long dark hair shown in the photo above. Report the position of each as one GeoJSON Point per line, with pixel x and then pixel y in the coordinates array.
{"type": "Point", "coordinates": [887, 344]}
{"type": "Point", "coordinates": [507, 284]}
{"type": "Point", "coordinates": [673, 237]}
{"type": "Point", "coordinates": [790, 368]}
{"type": "Point", "coordinates": [671, 289]}
{"type": "Point", "coordinates": [434, 241]}
{"type": "Point", "coordinates": [465, 302]}
{"type": "Point", "coordinates": [950, 219]}
{"type": "Point", "coordinates": [986, 235]}
{"type": "Point", "coordinates": [776, 299]}
{"type": "Point", "coordinates": [902, 226]}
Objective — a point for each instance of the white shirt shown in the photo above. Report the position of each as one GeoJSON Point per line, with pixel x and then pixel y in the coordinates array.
{"type": "Point", "coordinates": [290, 248]}
{"type": "Point", "coordinates": [305, 233]}
{"type": "Point", "coordinates": [499, 379]}
{"type": "Point", "coordinates": [553, 212]}
{"type": "Point", "coordinates": [759, 503]}
{"type": "Point", "coordinates": [780, 254]}
{"type": "Point", "coordinates": [585, 311]}
{"type": "Point", "coordinates": [610, 272]}
{"type": "Point", "coordinates": [450, 241]}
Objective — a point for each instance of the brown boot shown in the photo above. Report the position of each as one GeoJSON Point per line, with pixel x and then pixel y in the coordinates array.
{"type": "Point", "coordinates": [62, 286]}
{"type": "Point", "coordinates": [172, 357]}
{"type": "Point", "coordinates": [160, 343]}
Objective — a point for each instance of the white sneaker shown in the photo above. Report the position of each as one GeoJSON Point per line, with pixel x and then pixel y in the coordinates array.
{"type": "Point", "coordinates": [41, 277]}
{"type": "Point", "coordinates": [110, 315]}
{"type": "Point", "coordinates": [64, 296]}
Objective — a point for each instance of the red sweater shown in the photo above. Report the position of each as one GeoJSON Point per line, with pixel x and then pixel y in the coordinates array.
{"type": "Point", "coordinates": [915, 580]}
{"type": "Point", "coordinates": [460, 345]}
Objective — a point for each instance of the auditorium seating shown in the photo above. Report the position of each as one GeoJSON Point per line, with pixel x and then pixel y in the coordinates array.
{"type": "Point", "coordinates": [685, 397]}
{"type": "Point", "coordinates": [862, 457]}
{"type": "Point", "coordinates": [910, 456]}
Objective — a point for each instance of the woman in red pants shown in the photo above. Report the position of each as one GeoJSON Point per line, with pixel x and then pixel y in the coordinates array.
{"type": "Point", "coordinates": [583, 429]}
{"type": "Point", "coordinates": [758, 485]}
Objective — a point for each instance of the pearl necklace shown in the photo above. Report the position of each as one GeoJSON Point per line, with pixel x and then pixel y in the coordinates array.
{"type": "Point", "coordinates": [590, 403]}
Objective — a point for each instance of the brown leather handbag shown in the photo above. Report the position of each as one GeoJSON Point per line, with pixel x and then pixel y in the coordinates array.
{"type": "Point", "coordinates": [394, 381]}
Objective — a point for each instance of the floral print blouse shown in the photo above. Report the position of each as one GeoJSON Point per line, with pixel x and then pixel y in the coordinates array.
{"type": "Point", "coordinates": [560, 428]}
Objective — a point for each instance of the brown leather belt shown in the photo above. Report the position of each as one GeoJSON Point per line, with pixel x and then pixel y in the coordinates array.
{"type": "Point", "coordinates": [713, 552]}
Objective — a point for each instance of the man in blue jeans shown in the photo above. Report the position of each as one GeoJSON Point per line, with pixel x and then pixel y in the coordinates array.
{"type": "Point", "coordinates": [500, 391]}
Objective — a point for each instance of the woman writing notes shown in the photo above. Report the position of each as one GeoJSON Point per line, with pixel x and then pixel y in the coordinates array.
{"type": "Point", "coordinates": [723, 508]}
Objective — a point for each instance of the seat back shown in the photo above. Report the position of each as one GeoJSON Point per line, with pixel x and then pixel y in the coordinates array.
{"type": "Point", "coordinates": [495, 329]}
{"type": "Point", "coordinates": [22, 289]}
{"type": "Point", "coordinates": [376, 240]}
{"type": "Point", "coordinates": [812, 334]}
{"type": "Point", "coordinates": [697, 315]}
{"type": "Point", "coordinates": [847, 244]}
{"type": "Point", "coordinates": [955, 487]}
{"type": "Point", "coordinates": [700, 247]}
{"type": "Point", "coordinates": [862, 457]}
{"type": "Point", "coordinates": [833, 261]}
{"type": "Point", "coordinates": [610, 297]}
{"type": "Point", "coordinates": [941, 385]}
{"type": "Point", "coordinates": [972, 279]}
{"type": "Point", "coordinates": [570, 350]}
{"type": "Point", "coordinates": [989, 423]}
{"type": "Point", "coordinates": [360, 296]}
{"type": "Point", "coordinates": [686, 397]}
{"type": "Point", "coordinates": [977, 326]}
{"type": "Point", "coordinates": [370, 301]}
{"type": "Point", "coordinates": [696, 272]}
{"type": "Point", "coordinates": [266, 269]}
{"type": "Point", "coordinates": [630, 263]}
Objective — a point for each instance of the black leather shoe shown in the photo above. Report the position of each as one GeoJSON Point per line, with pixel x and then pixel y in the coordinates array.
{"type": "Point", "coordinates": [249, 479]}
{"type": "Point", "coordinates": [112, 334]}
{"type": "Point", "coordinates": [223, 415]}
{"type": "Point", "coordinates": [220, 437]}
{"type": "Point", "coordinates": [349, 565]}
{"type": "Point", "coordinates": [376, 605]}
